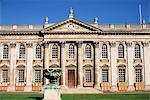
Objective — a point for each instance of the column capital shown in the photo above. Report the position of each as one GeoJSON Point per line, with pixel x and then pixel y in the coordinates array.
{"type": "Point", "coordinates": [112, 44]}
{"type": "Point", "coordinates": [79, 43]}
{"type": "Point", "coordinates": [129, 44]}
{"type": "Point", "coordinates": [46, 44]}
{"type": "Point", "coordinates": [29, 45]}
{"type": "Point", "coordinates": [12, 45]}
{"type": "Point", "coordinates": [62, 44]}
{"type": "Point", "coordinates": [145, 43]}
{"type": "Point", "coordinates": [96, 44]}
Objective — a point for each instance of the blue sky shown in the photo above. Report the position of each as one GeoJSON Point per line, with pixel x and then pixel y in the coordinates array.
{"type": "Point", "coordinates": [108, 11]}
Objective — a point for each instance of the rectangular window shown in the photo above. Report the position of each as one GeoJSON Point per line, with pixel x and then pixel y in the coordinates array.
{"type": "Point", "coordinates": [138, 75]}
{"type": "Point", "coordinates": [5, 75]}
{"type": "Point", "coordinates": [21, 75]}
{"type": "Point", "coordinates": [5, 52]}
{"type": "Point", "coordinates": [88, 76]}
{"type": "Point", "coordinates": [121, 75]}
{"type": "Point", "coordinates": [104, 75]}
{"type": "Point", "coordinates": [37, 76]}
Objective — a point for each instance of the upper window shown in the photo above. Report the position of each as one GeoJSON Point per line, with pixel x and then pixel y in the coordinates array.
{"type": "Point", "coordinates": [120, 51]}
{"type": "Point", "coordinates": [104, 51]}
{"type": "Point", "coordinates": [5, 52]}
{"type": "Point", "coordinates": [137, 51]}
{"type": "Point", "coordinates": [71, 51]}
{"type": "Point", "coordinates": [38, 51]}
{"type": "Point", "coordinates": [54, 51]}
{"type": "Point", "coordinates": [88, 51]}
{"type": "Point", "coordinates": [22, 52]}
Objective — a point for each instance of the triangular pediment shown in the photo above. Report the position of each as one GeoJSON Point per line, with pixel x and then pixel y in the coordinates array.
{"type": "Point", "coordinates": [71, 25]}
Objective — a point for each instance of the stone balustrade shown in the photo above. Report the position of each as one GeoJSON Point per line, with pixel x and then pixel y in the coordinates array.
{"type": "Point", "coordinates": [25, 27]}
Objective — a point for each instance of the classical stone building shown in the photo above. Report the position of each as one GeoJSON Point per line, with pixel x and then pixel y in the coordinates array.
{"type": "Point", "coordinates": [108, 57]}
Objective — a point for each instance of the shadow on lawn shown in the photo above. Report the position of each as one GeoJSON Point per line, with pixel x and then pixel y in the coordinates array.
{"type": "Point", "coordinates": [36, 98]}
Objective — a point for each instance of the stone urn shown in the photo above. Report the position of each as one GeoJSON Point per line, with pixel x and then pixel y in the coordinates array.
{"type": "Point", "coordinates": [51, 90]}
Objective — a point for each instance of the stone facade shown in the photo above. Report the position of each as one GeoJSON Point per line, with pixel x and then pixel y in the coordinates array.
{"type": "Point", "coordinates": [107, 57]}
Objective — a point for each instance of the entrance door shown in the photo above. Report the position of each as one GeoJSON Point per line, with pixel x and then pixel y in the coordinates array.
{"type": "Point", "coordinates": [71, 78]}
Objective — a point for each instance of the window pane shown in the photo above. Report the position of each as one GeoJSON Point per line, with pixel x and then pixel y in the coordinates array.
{"type": "Point", "coordinates": [37, 76]}
{"type": "Point", "coordinates": [88, 75]}
{"type": "Point", "coordinates": [105, 75]}
{"type": "Point", "coordinates": [88, 51]}
{"type": "Point", "coordinates": [104, 51]}
{"type": "Point", "coordinates": [137, 51]}
{"type": "Point", "coordinates": [5, 75]}
{"type": "Point", "coordinates": [5, 52]}
{"type": "Point", "coordinates": [21, 75]}
{"type": "Point", "coordinates": [138, 75]}
{"type": "Point", "coordinates": [22, 52]}
{"type": "Point", "coordinates": [54, 51]}
{"type": "Point", "coordinates": [121, 51]}
{"type": "Point", "coordinates": [38, 51]}
{"type": "Point", "coordinates": [121, 75]}
{"type": "Point", "coordinates": [71, 51]}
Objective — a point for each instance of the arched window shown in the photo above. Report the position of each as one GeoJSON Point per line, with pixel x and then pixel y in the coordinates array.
{"type": "Point", "coordinates": [88, 51]}
{"type": "Point", "coordinates": [54, 51]}
{"type": "Point", "coordinates": [22, 52]}
{"type": "Point", "coordinates": [38, 51]}
{"type": "Point", "coordinates": [120, 51]}
{"type": "Point", "coordinates": [5, 52]}
{"type": "Point", "coordinates": [137, 51]}
{"type": "Point", "coordinates": [71, 51]}
{"type": "Point", "coordinates": [104, 51]}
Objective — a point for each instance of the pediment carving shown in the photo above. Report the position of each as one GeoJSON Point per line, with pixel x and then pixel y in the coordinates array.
{"type": "Point", "coordinates": [71, 25]}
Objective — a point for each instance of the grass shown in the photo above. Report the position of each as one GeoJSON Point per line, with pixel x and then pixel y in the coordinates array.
{"type": "Point", "coordinates": [144, 96]}
{"type": "Point", "coordinates": [106, 97]}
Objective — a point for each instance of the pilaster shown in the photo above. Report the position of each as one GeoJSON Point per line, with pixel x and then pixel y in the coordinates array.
{"type": "Point", "coordinates": [147, 63]}
{"type": "Point", "coordinates": [11, 87]}
{"type": "Point", "coordinates": [113, 67]}
{"type": "Point", "coordinates": [29, 59]}
{"type": "Point", "coordinates": [63, 59]}
{"type": "Point", "coordinates": [130, 57]}
{"type": "Point", "coordinates": [80, 63]}
{"type": "Point", "coordinates": [97, 69]}
{"type": "Point", "coordinates": [46, 58]}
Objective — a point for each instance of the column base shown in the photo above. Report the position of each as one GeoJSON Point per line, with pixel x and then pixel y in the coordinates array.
{"type": "Point", "coordinates": [80, 86]}
{"type": "Point", "coordinates": [28, 89]}
{"type": "Point", "coordinates": [147, 88]}
{"type": "Point", "coordinates": [131, 88]}
{"type": "Point", "coordinates": [97, 87]}
{"type": "Point", "coordinates": [114, 88]}
{"type": "Point", "coordinates": [11, 89]}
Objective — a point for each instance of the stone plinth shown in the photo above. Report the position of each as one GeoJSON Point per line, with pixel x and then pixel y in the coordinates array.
{"type": "Point", "coordinates": [52, 94]}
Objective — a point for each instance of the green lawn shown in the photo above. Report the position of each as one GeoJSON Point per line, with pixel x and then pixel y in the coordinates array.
{"type": "Point", "coordinates": [145, 96]}
{"type": "Point", "coordinates": [106, 97]}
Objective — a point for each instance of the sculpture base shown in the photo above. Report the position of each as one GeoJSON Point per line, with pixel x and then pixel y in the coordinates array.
{"type": "Point", "coordinates": [52, 94]}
